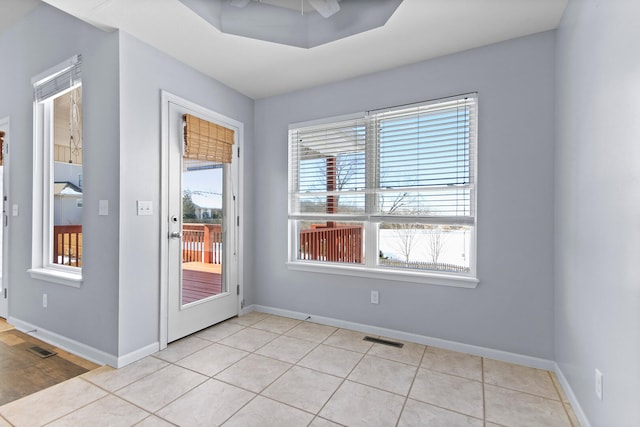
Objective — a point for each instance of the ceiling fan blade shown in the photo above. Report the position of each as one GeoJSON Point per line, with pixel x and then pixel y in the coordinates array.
{"type": "Point", "coordinates": [326, 8]}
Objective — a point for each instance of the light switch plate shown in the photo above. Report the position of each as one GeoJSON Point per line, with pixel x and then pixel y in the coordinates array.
{"type": "Point", "coordinates": [14, 210]}
{"type": "Point", "coordinates": [103, 207]}
{"type": "Point", "coordinates": [145, 207]}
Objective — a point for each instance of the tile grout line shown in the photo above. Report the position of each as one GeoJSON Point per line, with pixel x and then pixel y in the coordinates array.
{"type": "Point", "coordinates": [343, 380]}
{"type": "Point", "coordinates": [155, 413]}
{"type": "Point", "coordinates": [80, 407]}
{"type": "Point", "coordinates": [415, 375]}
{"type": "Point", "coordinates": [462, 377]}
{"type": "Point", "coordinates": [524, 392]}
{"type": "Point", "coordinates": [169, 363]}
{"type": "Point", "coordinates": [406, 397]}
{"type": "Point", "coordinates": [151, 416]}
{"type": "Point", "coordinates": [282, 334]}
{"type": "Point", "coordinates": [562, 402]}
{"type": "Point", "coordinates": [149, 413]}
{"type": "Point", "coordinates": [256, 394]}
{"type": "Point", "coordinates": [484, 401]}
{"type": "Point", "coordinates": [434, 404]}
{"type": "Point", "coordinates": [287, 370]}
{"type": "Point", "coordinates": [213, 377]}
{"type": "Point", "coordinates": [128, 384]}
{"type": "Point", "coordinates": [183, 394]}
{"type": "Point", "coordinates": [2, 418]}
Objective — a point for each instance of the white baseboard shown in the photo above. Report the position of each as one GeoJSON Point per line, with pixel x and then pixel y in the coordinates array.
{"type": "Point", "coordinates": [72, 346]}
{"type": "Point", "coordinates": [519, 359]}
{"type": "Point", "coordinates": [87, 352]}
{"type": "Point", "coordinates": [248, 309]}
{"type": "Point", "coordinates": [137, 354]}
{"type": "Point", "coordinates": [568, 391]}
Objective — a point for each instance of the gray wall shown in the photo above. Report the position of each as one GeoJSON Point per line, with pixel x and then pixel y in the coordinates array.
{"type": "Point", "coordinates": [144, 71]}
{"type": "Point", "coordinates": [116, 309]}
{"type": "Point", "coordinates": [512, 308]}
{"type": "Point", "coordinates": [41, 40]}
{"type": "Point", "coordinates": [598, 208]}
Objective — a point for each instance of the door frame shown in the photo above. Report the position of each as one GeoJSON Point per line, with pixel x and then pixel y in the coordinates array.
{"type": "Point", "coordinates": [166, 99]}
{"type": "Point", "coordinates": [4, 273]}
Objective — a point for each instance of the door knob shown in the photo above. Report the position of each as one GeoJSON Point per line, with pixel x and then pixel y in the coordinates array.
{"type": "Point", "coordinates": [176, 235]}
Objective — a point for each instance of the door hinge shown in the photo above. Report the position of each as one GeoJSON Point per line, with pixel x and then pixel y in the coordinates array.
{"type": "Point", "coordinates": [238, 152]}
{"type": "Point", "coordinates": [242, 304]}
{"type": "Point", "coordinates": [238, 289]}
{"type": "Point", "coordinates": [4, 291]}
{"type": "Point", "coordinates": [238, 221]}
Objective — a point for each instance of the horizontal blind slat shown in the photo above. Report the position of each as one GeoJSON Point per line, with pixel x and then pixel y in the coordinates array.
{"type": "Point", "coordinates": [413, 160]}
{"type": "Point", "coordinates": [61, 81]}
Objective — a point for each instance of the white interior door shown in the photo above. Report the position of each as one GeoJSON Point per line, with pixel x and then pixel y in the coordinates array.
{"type": "Point", "coordinates": [203, 285]}
{"type": "Point", "coordinates": [4, 126]}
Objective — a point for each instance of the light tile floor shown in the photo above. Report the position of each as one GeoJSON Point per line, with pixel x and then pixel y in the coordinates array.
{"type": "Point", "coordinates": [264, 370]}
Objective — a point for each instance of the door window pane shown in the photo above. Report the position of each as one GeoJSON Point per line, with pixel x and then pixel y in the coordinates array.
{"type": "Point", "coordinates": [202, 225]}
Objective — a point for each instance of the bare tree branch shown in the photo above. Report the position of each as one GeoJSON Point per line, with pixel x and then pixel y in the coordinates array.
{"type": "Point", "coordinates": [436, 240]}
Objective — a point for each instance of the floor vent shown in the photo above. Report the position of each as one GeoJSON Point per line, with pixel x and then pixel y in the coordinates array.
{"type": "Point", "coordinates": [385, 342]}
{"type": "Point", "coordinates": [41, 352]}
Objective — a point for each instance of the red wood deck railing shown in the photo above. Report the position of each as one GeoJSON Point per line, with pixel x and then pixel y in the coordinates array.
{"type": "Point", "coordinates": [335, 244]}
{"type": "Point", "coordinates": [202, 243]}
{"type": "Point", "coordinates": [67, 245]}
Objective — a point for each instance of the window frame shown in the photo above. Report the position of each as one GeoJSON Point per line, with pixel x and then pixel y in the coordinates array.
{"type": "Point", "coordinates": [42, 267]}
{"type": "Point", "coordinates": [371, 220]}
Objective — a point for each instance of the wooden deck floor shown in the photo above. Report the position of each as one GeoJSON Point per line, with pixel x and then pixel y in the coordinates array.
{"type": "Point", "coordinates": [200, 280]}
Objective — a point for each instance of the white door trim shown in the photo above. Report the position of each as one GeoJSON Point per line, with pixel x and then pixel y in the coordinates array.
{"type": "Point", "coordinates": [166, 99]}
{"type": "Point", "coordinates": [4, 240]}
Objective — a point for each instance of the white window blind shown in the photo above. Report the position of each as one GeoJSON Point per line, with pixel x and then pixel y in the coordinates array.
{"type": "Point", "coordinates": [59, 79]}
{"type": "Point", "coordinates": [424, 157]}
{"type": "Point", "coordinates": [410, 161]}
{"type": "Point", "coordinates": [328, 169]}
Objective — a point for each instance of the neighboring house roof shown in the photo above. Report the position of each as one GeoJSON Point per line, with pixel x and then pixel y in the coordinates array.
{"type": "Point", "coordinates": [66, 189]}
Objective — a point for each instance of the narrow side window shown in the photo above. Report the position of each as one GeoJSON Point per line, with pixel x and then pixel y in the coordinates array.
{"type": "Point", "coordinates": [59, 168]}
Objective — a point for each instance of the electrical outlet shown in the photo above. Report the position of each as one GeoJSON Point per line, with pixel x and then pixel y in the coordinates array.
{"type": "Point", "coordinates": [44, 301]}
{"type": "Point", "coordinates": [374, 297]}
{"type": "Point", "coordinates": [599, 384]}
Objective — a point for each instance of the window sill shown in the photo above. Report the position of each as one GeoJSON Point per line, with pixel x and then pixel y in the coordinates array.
{"type": "Point", "coordinates": [66, 278]}
{"type": "Point", "coordinates": [439, 279]}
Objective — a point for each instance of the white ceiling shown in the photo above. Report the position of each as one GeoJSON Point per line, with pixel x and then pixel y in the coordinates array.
{"type": "Point", "coordinates": [419, 30]}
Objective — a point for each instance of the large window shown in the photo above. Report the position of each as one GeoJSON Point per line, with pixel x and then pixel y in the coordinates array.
{"type": "Point", "coordinates": [58, 171]}
{"type": "Point", "coordinates": [391, 191]}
